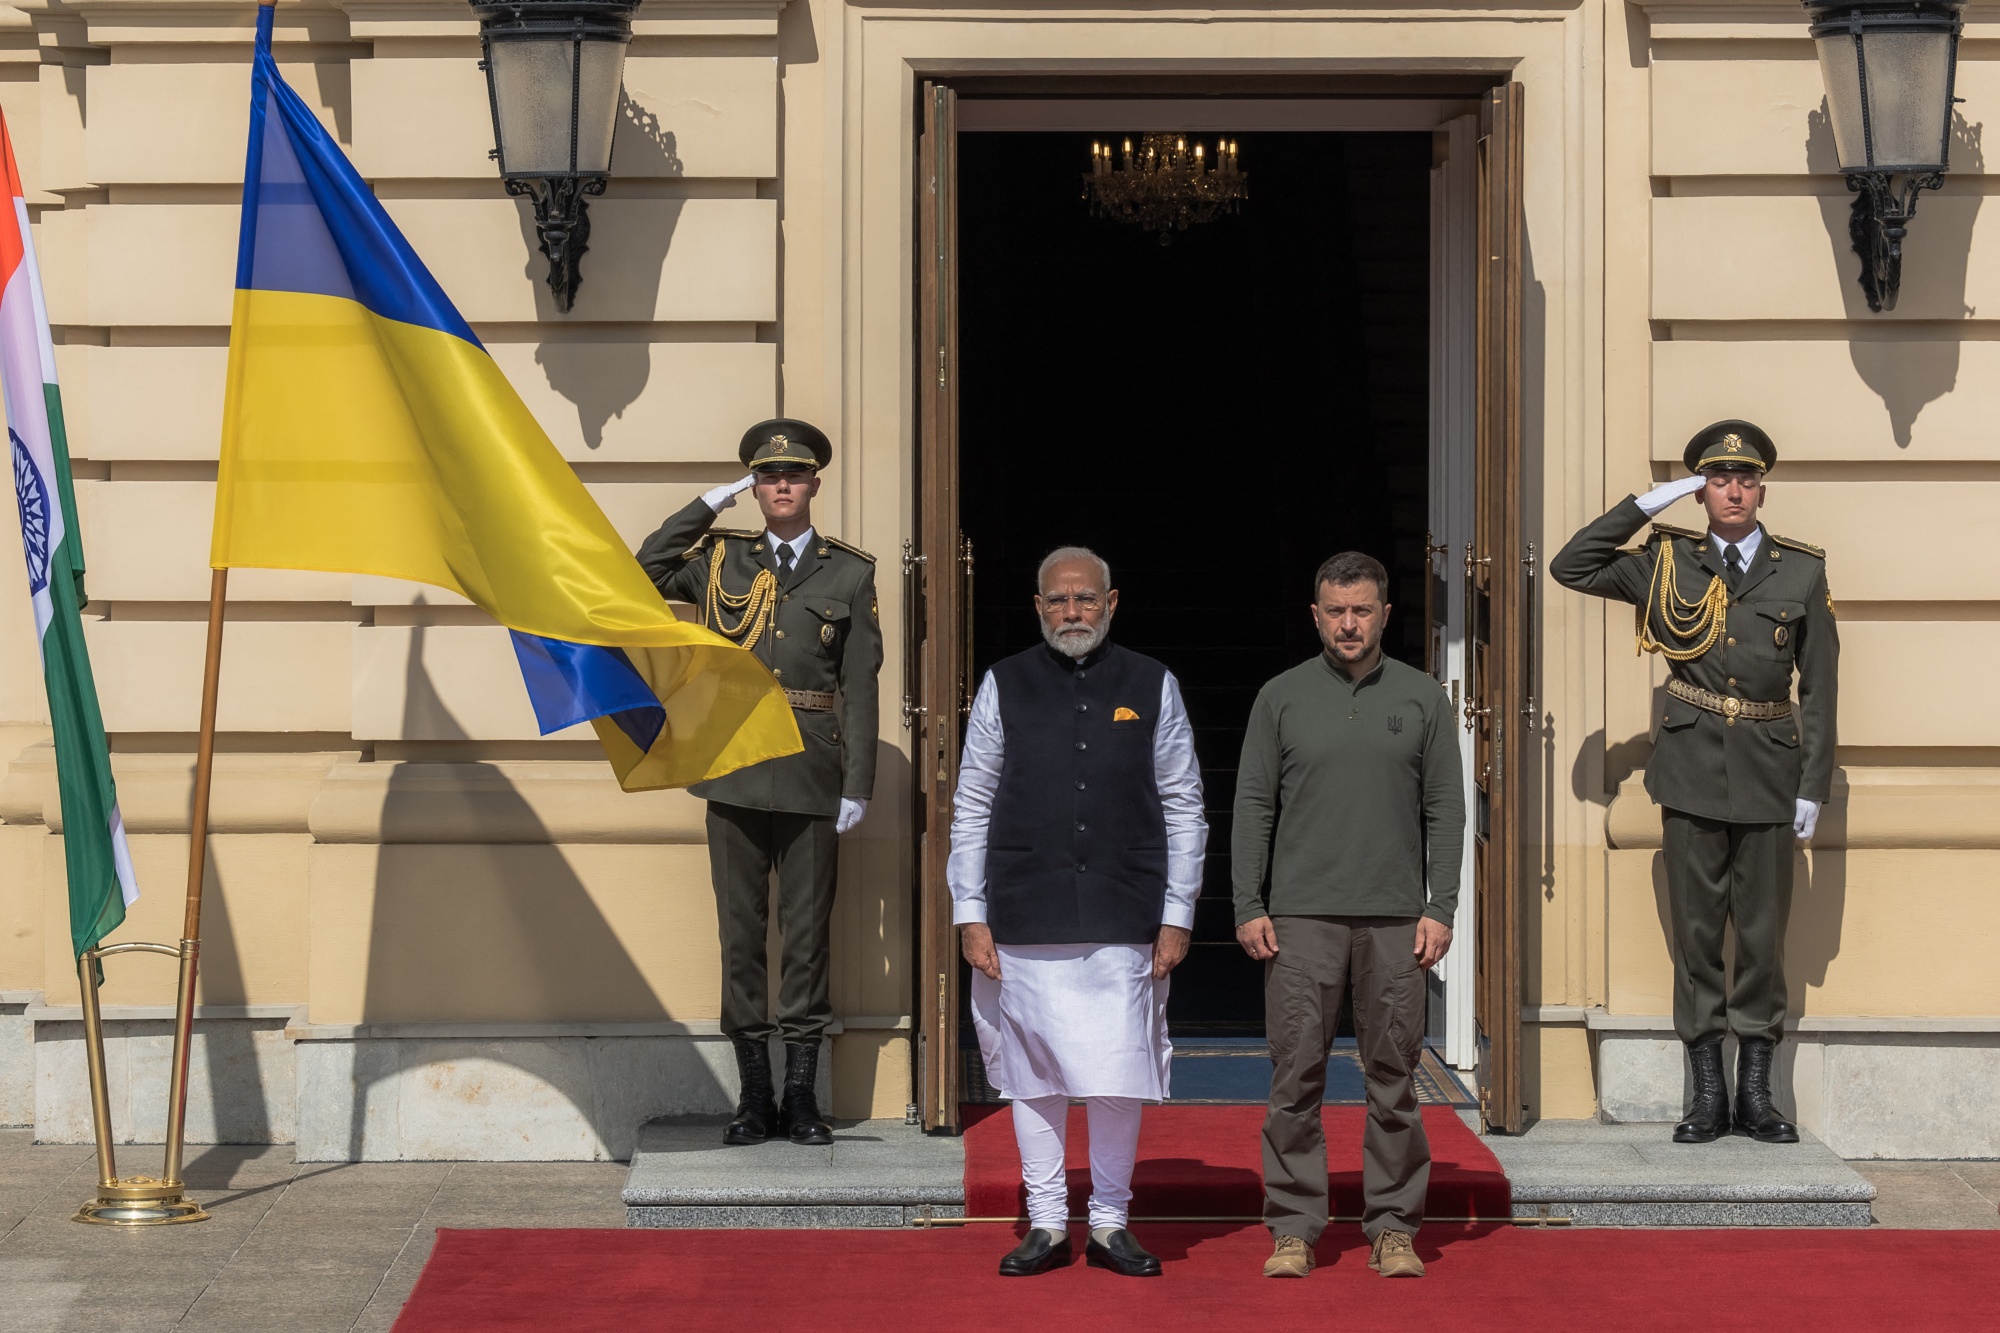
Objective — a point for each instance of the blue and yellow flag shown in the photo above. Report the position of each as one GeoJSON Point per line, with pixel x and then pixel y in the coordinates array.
{"type": "Point", "coordinates": [367, 431]}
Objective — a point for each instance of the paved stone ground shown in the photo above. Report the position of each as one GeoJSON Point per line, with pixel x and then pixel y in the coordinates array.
{"type": "Point", "coordinates": [1941, 1195]}
{"type": "Point", "coordinates": [308, 1247]}
{"type": "Point", "coordinates": [298, 1247]}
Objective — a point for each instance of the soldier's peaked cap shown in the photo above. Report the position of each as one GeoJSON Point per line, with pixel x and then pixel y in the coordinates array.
{"type": "Point", "coordinates": [1730, 443]}
{"type": "Point", "coordinates": [783, 442]}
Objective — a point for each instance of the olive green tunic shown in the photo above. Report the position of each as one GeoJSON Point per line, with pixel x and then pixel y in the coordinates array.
{"type": "Point", "coordinates": [1780, 626]}
{"type": "Point", "coordinates": [825, 636]}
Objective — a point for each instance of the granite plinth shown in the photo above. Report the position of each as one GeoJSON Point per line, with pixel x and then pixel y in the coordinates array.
{"type": "Point", "coordinates": [876, 1173]}
{"type": "Point", "coordinates": [1599, 1174]}
{"type": "Point", "coordinates": [788, 1217]}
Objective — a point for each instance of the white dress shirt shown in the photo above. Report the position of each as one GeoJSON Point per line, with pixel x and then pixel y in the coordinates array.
{"type": "Point", "coordinates": [797, 545]}
{"type": "Point", "coordinates": [1175, 772]}
{"type": "Point", "coordinates": [1746, 548]}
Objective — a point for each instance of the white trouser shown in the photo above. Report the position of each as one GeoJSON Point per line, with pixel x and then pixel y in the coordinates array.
{"type": "Point", "coordinates": [1039, 1125]}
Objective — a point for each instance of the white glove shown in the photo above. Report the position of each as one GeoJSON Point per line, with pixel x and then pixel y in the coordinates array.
{"type": "Point", "coordinates": [722, 497]}
{"type": "Point", "coordinates": [850, 814]}
{"type": "Point", "coordinates": [1805, 819]}
{"type": "Point", "coordinates": [1656, 500]}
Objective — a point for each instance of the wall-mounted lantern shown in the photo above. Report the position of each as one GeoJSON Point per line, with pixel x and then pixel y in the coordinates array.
{"type": "Point", "coordinates": [553, 73]}
{"type": "Point", "coordinates": [1888, 69]}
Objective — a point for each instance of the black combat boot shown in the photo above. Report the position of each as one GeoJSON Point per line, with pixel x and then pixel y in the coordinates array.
{"type": "Point", "coordinates": [799, 1117]}
{"type": "Point", "coordinates": [756, 1110]}
{"type": "Point", "coordinates": [1708, 1119]}
{"type": "Point", "coordinates": [1755, 1115]}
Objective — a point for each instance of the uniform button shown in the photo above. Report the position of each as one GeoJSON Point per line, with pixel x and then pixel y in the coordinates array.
{"type": "Point", "coordinates": [1079, 673]}
{"type": "Point", "coordinates": [1080, 828]}
{"type": "Point", "coordinates": [1732, 680]}
{"type": "Point", "coordinates": [1081, 745]}
{"type": "Point", "coordinates": [781, 634]}
{"type": "Point", "coordinates": [787, 597]}
{"type": "Point", "coordinates": [1782, 615]}
{"type": "Point", "coordinates": [1081, 868]}
{"type": "Point", "coordinates": [1083, 708]}
{"type": "Point", "coordinates": [1079, 786]}
{"type": "Point", "coordinates": [1732, 641]}
{"type": "Point", "coordinates": [776, 672]}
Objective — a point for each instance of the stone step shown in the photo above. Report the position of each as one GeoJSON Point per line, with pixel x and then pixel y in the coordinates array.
{"type": "Point", "coordinates": [877, 1173]}
{"type": "Point", "coordinates": [884, 1173]}
{"type": "Point", "coordinates": [1595, 1174]}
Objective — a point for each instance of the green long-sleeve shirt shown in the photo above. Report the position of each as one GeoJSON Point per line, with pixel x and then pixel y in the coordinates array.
{"type": "Point", "coordinates": [1344, 788]}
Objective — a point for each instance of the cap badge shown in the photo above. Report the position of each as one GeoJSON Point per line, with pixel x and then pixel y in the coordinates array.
{"type": "Point", "coordinates": [1733, 443]}
{"type": "Point", "coordinates": [785, 445]}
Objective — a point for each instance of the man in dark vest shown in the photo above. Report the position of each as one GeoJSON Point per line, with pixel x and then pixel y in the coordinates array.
{"type": "Point", "coordinates": [1076, 851]}
{"type": "Point", "coordinates": [1740, 770]}
{"type": "Point", "coordinates": [804, 603]}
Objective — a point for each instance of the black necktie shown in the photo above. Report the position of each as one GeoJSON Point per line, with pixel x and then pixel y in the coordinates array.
{"type": "Point", "coordinates": [1732, 564]}
{"type": "Point", "coordinates": [785, 560]}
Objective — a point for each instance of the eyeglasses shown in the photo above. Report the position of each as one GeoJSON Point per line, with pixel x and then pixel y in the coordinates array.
{"type": "Point", "coordinates": [1085, 601]}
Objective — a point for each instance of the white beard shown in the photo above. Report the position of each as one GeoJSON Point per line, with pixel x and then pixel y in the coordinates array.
{"type": "Point", "coordinates": [1078, 642]}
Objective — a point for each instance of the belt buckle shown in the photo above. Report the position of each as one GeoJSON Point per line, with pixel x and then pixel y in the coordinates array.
{"type": "Point", "coordinates": [1731, 707]}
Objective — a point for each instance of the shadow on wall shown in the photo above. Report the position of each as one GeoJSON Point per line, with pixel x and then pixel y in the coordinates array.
{"type": "Point", "coordinates": [242, 1115]}
{"type": "Point", "coordinates": [1908, 376]}
{"type": "Point", "coordinates": [604, 373]}
{"type": "Point", "coordinates": [530, 946]}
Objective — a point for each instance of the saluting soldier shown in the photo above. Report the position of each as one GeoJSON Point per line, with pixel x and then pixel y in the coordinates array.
{"type": "Point", "coordinates": [805, 604]}
{"type": "Point", "coordinates": [1739, 769]}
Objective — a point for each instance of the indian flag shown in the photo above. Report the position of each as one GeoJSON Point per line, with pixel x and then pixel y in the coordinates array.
{"type": "Point", "coordinates": [101, 884]}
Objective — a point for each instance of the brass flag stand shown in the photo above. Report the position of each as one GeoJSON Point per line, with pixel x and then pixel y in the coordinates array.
{"type": "Point", "coordinates": [142, 1201]}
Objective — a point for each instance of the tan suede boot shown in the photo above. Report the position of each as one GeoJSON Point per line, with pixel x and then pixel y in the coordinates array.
{"type": "Point", "coordinates": [1291, 1258]}
{"type": "Point", "coordinates": [1394, 1255]}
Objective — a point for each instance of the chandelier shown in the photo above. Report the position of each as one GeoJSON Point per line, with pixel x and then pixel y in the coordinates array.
{"type": "Point", "coordinates": [1165, 187]}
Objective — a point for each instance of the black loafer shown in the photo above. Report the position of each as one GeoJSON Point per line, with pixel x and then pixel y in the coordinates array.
{"type": "Point", "coordinates": [1037, 1254]}
{"type": "Point", "coordinates": [1122, 1254]}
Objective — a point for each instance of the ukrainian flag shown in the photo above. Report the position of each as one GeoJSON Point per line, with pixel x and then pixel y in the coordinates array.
{"type": "Point", "coordinates": [367, 431]}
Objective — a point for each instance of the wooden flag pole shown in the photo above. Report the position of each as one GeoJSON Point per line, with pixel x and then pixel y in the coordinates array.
{"type": "Point", "coordinates": [204, 771]}
{"type": "Point", "coordinates": [141, 1200]}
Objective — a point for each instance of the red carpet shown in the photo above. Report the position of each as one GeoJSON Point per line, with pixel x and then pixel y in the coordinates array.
{"type": "Point", "coordinates": [1480, 1278]}
{"type": "Point", "coordinates": [1206, 1161]}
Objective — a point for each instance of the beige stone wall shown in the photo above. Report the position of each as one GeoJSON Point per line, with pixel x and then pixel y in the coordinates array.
{"type": "Point", "coordinates": [434, 860]}
{"type": "Point", "coordinates": [1740, 219]}
{"type": "Point", "coordinates": [396, 846]}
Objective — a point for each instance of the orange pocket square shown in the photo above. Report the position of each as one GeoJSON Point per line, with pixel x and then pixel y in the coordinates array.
{"type": "Point", "coordinates": [1124, 715]}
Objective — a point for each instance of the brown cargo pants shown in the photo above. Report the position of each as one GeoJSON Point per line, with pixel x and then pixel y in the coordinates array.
{"type": "Point", "coordinates": [1319, 960]}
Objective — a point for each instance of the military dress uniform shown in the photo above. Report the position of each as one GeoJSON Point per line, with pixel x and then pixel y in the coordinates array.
{"type": "Point", "coordinates": [1732, 757]}
{"type": "Point", "coordinates": [817, 627]}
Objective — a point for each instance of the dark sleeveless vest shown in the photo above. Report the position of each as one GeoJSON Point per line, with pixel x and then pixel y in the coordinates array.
{"type": "Point", "coordinates": [1077, 849]}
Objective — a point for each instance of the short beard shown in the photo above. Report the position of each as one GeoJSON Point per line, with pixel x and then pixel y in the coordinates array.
{"type": "Point", "coordinates": [1333, 650]}
{"type": "Point", "coordinates": [1079, 641]}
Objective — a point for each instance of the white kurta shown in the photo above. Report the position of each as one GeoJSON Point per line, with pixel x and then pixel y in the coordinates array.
{"type": "Point", "coordinates": [1076, 1020]}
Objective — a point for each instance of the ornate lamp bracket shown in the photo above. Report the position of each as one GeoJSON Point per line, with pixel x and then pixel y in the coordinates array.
{"type": "Point", "coordinates": [562, 227]}
{"type": "Point", "coordinates": [1877, 224]}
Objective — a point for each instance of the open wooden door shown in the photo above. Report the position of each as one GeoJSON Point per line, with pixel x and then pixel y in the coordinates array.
{"type": "Point", "coordinates": [938, 575]}
{"type": "Point", "coordinates": [1499, 574]}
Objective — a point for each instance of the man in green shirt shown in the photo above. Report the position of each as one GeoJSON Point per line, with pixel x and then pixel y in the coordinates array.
{"type": "Point", "coordinates": [1350, 811]}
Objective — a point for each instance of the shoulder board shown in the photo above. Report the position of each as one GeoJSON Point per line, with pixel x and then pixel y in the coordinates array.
{"type": "Point", "coordinates": [851, 550]}
{"type": "Point", "coordinates": [1668, 530]}
{"type": "Point", "coordinates": [701, 542]}
{"type": "Point", "coordinates": [1798, 545]}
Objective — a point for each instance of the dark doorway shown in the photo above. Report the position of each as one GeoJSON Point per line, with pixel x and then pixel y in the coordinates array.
{"type": "Point", "coordinates": [1214, 416]}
